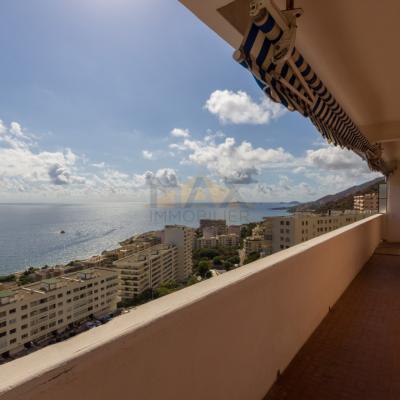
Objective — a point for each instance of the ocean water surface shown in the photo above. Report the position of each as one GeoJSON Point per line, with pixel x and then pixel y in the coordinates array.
{"type": "Point", "coordinates": [30, 233]}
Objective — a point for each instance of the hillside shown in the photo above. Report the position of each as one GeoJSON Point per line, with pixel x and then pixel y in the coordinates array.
{"type": "Point", "coordinates": [339, 201]}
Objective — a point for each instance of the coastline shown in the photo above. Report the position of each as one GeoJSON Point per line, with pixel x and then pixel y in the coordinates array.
{"type": "Point", "coordinates": [90, 229]}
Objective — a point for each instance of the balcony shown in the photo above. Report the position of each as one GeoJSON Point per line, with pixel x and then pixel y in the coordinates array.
{"type": "Point", "coordinates": [230, 337]}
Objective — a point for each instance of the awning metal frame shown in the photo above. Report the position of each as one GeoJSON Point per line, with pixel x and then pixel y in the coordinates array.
{"type": "Point", "coordinates": [268, 51]}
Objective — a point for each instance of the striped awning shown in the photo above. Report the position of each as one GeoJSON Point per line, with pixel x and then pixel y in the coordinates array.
{"type": "Point", "coordinates": [293, 83]}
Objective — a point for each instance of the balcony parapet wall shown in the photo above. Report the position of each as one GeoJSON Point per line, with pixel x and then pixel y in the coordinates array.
{"type": "Point", "coordinates": [224, 338]}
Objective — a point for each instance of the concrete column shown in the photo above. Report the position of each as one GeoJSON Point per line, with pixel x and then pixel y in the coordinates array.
{"type": "Point", "coordinates": [392, 223]}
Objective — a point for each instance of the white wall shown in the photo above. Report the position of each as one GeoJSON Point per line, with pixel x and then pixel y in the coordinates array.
{"type": "Point", "coordinates": [221, 339]}
{"type": "Point", "coordinates": [392, 223]}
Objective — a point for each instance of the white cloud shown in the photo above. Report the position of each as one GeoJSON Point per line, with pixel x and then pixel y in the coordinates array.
{"type": "Point", "coordinates": [234, 163]}
{"type": "Point", "coordinates": [314, 174]}
{"type": "Point", "coordinates": [147, 155]}
{"type": "Point", "coordinates": [182, 133]}
{"type": "Point", "coordinates": [284, 189]}
{"type": "Point", "coordinates": [26, 168]}
{"type": "Point", "coordinates": [99, 165]}
{"type": "Point", "coordinates": [332, 169]}
{"type": "Point", "coordinates": [239, 108]}
{"type": "Point", "coordinates": [163, 178]}
{"type": "Point", "coordinates": [334, 158]}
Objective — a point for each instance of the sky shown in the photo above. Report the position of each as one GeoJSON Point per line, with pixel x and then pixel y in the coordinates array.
{"type": "Point", "coordinates": [101, 100]}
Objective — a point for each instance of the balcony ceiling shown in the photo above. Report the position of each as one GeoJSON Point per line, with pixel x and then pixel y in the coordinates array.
{"type": "Point", "coordinates": [352, 46]}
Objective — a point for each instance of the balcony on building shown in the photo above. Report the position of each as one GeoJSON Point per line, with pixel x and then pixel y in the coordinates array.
{"type": "Point", "coordinates": [316, 321]}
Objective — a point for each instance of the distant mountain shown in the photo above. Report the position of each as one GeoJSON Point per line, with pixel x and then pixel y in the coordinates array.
{"type": "Point", "coordinates": [339, 201]}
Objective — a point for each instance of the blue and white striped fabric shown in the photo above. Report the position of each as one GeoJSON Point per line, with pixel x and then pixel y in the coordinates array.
{"type": "Point", "coordinates": [282, 85]}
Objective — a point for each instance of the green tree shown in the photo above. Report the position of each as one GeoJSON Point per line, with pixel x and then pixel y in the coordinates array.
{"type": "Point", "coordinates": [204, 267]}
{"type": "Point", "coordinates": [208, 275]}
{"type": "Point", "coordinates": [217, 260]}
{"type": "Point", "coordinates": [170, 284]}
{"type": "Point", "coordinates": [247, 230]}
{"type": "Point", "coordinates": [209, 253]}
{"type": "Point", "coordinates": [192, 280]}
{"type": "Point", "coordinates": [8, 278]}
{"type": "Point", "coordinates": [25, 279]}
{"type": "Point", "coordinates": [234, 259]}
{"type": "Point", "coordinates": [227, 265]}
{"type": "Point", "coordinates": [252, 257]}
{"type": "Point", "coordinates": [162, 291]}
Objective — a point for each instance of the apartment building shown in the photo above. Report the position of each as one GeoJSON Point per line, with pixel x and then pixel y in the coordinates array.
{"type": "Point", "coordinates": [234, 229]}
{"type": "Point", "coordinates": [230, 240]}
{"type": "Point", "coordinates": [290, 230]}
{"type": "Point", "coordinates": [211, 231]}
{"type": "Point", "coordinates": [260, 241]}
{"type": "Point", "coordinates": [366, 202]}
{"type": "Point", "coordinates": [146, 269]}
{"type": "Point", "coordinates": [182, 237]}
{"type": "Point", "coordinates": [217, 226]}
{"type": "Point", "coordinates": [37, 311]}
{"type": "Point", "coordinates": [127, 249]}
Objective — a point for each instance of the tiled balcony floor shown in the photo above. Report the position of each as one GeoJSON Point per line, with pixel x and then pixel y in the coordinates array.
{"type": "Point", "coordinates": [355, 352]}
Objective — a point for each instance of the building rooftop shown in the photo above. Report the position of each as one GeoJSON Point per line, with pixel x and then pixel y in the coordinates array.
{"type": "Point", "coordinates": [38, 287]}
{"type": "Point", "coordinates": [50, 281]}
{"type": "Point", "coordinates": [6, 293]}
{"type": "Point", "coordinates": [141, 255]}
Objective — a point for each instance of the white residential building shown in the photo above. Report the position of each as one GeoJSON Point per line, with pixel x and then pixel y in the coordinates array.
{"type": "Point", "coordinates": [146, 269]}
{"type": "Point", "coordinates": [290, 230]}
{"type": "Point", "coordinates": [366, 202]}
{"type": "Point", "coordinates": [37, 311]}
{"type": "Point", "coordinates": [231, 240]}
{"type": "Point", "coordinates": [182, 237]}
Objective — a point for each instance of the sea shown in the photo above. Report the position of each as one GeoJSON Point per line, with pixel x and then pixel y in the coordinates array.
{"type": "Point", "coordinates": [30, 234]}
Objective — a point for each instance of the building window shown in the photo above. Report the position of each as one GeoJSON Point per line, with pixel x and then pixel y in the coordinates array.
{"type": "Point", "coordinates": [12, 341]}
{"type": "Point", "coordinates": [12, 311]}
{"type": "Point", "coordinates": [12, 331]}
{"type": "Point", "coordinates": [24, 307]}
